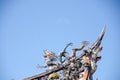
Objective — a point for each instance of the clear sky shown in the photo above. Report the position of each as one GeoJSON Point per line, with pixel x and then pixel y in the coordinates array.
{"type": "Point", "coordinates": [29, 26]}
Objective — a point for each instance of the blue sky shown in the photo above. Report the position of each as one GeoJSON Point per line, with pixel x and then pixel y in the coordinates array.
{"type": "Point", "coordinates": [29, 26]}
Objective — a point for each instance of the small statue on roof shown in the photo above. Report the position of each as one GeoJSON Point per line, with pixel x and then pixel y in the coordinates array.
{"type": "Point", "coordinates": [51, 60]}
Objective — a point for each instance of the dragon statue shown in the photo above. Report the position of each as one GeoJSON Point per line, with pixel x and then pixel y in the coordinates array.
{"type": "Point", "coordinates": [67, 66]}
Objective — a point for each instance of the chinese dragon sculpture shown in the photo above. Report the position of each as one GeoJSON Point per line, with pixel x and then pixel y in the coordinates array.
{"type": "Point", "coordinates": [65, 66]}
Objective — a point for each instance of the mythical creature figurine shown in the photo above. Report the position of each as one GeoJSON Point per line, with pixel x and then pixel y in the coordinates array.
{"type": "Point", "coordinates": [69, 66]}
